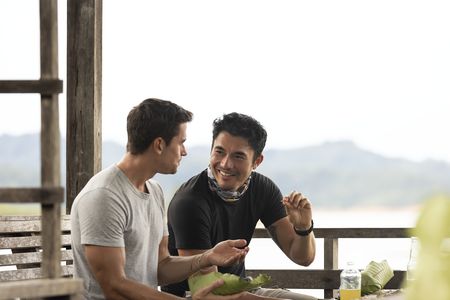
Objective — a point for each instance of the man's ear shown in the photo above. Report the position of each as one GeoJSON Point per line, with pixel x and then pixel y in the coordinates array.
{"type": "Point", "coordinates": [258, 161]}
{"type": "Point", "coordinates": [159, 145]}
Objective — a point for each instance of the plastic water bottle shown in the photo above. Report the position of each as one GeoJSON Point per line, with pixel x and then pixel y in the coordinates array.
{"type": "Point", "coordinates": [350, 288]}
{"type": "Point", "coordinates": [413, 253]}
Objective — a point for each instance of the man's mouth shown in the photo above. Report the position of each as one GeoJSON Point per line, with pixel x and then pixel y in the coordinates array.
{"type": "Point", "coordinates": [225, 174]}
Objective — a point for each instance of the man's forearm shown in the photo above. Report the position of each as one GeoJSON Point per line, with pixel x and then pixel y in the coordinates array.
{"type": "Point", "coordinates": [177, 268]}
{"type": "Point", "coordinates": [303, 249]}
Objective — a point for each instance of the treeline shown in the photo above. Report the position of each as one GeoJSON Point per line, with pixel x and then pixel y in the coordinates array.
{"type": "Point", "coordinates": [337, 174]}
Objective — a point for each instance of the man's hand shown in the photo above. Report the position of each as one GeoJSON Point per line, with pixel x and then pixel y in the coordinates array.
{"type": "Point", "coordinates": [299, 210]}
{"type": "Point", "coordinates": [227, 253]}
{"type": "Point", "coordinates": [206, 293]}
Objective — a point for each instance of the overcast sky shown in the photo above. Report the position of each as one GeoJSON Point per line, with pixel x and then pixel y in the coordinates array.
{"type": "Point", "coordinates": [374, 72]}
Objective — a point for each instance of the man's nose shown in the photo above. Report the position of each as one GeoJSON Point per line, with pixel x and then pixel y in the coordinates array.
{"type": "Point", "coordinates": [226, 162]}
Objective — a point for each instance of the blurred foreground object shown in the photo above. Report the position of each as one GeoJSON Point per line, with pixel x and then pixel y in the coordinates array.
{"type": "Point", "coordinates": [432, 276]}
{"type": "Point", "coordinates": [412, 262]}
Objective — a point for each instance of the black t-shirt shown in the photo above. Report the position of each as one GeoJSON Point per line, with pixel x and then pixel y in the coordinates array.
{"type": "Point", "coordinates": [199, 219]}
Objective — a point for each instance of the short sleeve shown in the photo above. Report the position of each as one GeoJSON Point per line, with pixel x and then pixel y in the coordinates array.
{"type": "Point", "coordinates": [273, 207]}
{"type": "Point", "coordinates": [102, 219]}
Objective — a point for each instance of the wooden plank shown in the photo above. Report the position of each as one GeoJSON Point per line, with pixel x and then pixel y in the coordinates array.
{"type": "Point", "coordinates": [29, 218]}
{"type": "Point", "coordinates": [46, 195]}
{"type": "Point", "coordinates": [40, 288]}
{"type": "Point", "coordinates": [30, 257]}
{"type": "Point", "coordinates": [19, 218]}
{"type": "Point", "coordinates": [20, 227]}
{"type": "Point", "coordinates": [28, 242]}
{"type": "Point", "coordinates": [314, 279]}
{"type": "Point", "coordinates": [343, 233]}
{"type": "Point", "coordinates": [301, 279]}
{"type": "Point", "coordinates": [43, 86]}
{"type": "Point", "coordinates": [32, 273]}
{"type": "Point", "coordinates": [84, 83]}
{"type": "Point", "coordinates": [335, 233]}
{"type": "Point", "coordinates": [30, 226]}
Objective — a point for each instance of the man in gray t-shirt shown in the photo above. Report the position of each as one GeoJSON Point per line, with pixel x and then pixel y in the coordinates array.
{"type": "Point", "coordinates": [119, 233]}
{"type": "Point", "coordinates": [111, 212]}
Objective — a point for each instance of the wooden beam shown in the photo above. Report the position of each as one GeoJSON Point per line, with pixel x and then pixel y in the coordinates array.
{"type": "Point", "coordinates": [46, 195]}
{"type": "Point", "coordinates": [50, 140]}
{"type": "Point", "coordinates": [40, 288]}
{"type": "Point", "coordinates": [314, 279]}
{"type": "Point", "coordinates": [9, 225]}
{"type": "Point", "coordinates": [50, 135]}
{"type": "Point", "coordinates": [307, 279]}
{"type": "Point", "coordinates": [84, 83]}
{"type": "Point", "coordinates": [32, 273]}
{"type": "Point", "coordinates": [51, 240]}
{"type": "Point", "coordinates": [30, 258]}
{"type": "Point", "coordinates": [43, 86]}
{"type": "Point", "coordinates": [29, 241]}
{"type": "Point", "coordinates": [330, 260]}
{"type": "Point", "coordinates": [338, 233]}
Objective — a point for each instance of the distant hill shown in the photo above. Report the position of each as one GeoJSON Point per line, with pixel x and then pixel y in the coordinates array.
{"type": "Point", "coordinates": [334, 174]}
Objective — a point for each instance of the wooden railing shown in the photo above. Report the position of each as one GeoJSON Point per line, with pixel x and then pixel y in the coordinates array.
{"type": "Point", "coordinates": [328, 277]}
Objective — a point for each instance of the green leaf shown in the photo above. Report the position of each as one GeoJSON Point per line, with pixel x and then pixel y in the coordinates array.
{"type": "Point", "coordinates": [375, 276]}
{"type": "Point", "coordinates": [233, 283]}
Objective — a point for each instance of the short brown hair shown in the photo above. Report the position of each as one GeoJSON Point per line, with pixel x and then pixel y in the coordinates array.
{"type": "Point", "coordinates": [151, 119]}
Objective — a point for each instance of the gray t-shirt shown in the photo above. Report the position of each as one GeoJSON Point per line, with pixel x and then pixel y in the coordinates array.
{"type": "Point", "coordinates": [111, 212]}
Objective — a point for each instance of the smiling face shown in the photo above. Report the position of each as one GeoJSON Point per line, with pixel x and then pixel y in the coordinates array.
{"type": "Point", "coordinates": [232, 161]}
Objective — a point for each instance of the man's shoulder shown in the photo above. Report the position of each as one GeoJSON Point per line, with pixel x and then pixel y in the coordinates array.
{"type": "Point", "coordinates": [192, 190]}
{"type": "Point", "coordinates": [195, 184]}
{"type": "Point", "coordinates": [262, 180]}
{"type": "Point", "coordinates": [262, 187]}
{"type": "Point", "coordinates": [104, 177]}
{"type": "Point", "coordinates": [101, 186]}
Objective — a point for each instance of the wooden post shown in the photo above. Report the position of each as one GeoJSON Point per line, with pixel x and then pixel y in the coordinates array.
{"type": "Point", "coordinates": [330, 262]}
{"type": "Point", "coordinates": [84, 78]}
{"type": "Point", "coordinates": [50, 140]}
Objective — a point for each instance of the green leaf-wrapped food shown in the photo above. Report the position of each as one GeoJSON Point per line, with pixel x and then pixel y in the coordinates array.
{"type": "Point", "coordinates": [375, 276]}
{"type": "Point", "coordinates": [233, 283]}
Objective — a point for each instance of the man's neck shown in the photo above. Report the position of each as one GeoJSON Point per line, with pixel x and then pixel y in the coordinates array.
{"type": "Point", "coordinates": [138, 170]}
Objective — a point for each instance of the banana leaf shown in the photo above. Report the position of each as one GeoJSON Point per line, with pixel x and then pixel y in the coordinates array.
{"type": "Point", "coordinates": [375, 276]}
{"type": "Point", "coordinates": [233, 283]}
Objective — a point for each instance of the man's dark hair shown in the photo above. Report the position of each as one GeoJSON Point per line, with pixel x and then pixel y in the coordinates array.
{"type": "Point", "coordinates": [242, 126]}
{"type": "Point", "coordinates": [151, 119]}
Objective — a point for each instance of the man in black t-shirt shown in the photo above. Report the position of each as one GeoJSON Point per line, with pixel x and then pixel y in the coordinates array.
{"type": "Point", "coordinates": [226, 201]}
